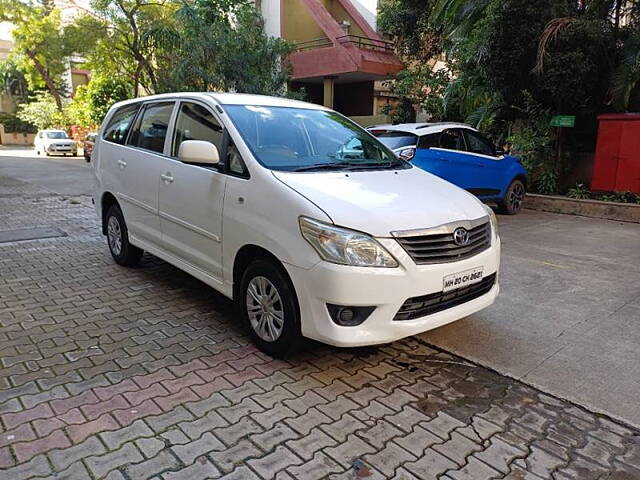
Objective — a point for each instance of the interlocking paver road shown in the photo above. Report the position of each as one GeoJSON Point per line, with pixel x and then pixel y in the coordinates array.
{"type": "Point", "coordinates": [118, 373]}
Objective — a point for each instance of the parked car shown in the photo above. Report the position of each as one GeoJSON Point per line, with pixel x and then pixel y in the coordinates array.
{"type": "Point", "coordinates": [309, 223]}
{"type": "Point", "coordinates": [54, 142]}
{"type": "Point", "coordinates": [463, 156]}
{"type": "Point", "coordinates": [87, 145]}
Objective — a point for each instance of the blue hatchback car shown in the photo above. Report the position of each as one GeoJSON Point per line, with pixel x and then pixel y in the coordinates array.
{"type": "Point", "coordinates": [461, 155]}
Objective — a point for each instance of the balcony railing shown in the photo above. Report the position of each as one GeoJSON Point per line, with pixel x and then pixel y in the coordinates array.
{"type": "Point", "coordinates": [315, 43]}
{"type": "Point", "coordinates": [368, 43]}
{"type": "Point", "coordinates": [356, 40]}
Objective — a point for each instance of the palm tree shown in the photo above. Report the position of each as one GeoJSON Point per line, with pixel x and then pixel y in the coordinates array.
{"type": "Point", "coordinates": [13, 82]}
{"type": "Point", "coordinates": [624, 16]}
{"type": "Point", "coordinates": [457, 17]}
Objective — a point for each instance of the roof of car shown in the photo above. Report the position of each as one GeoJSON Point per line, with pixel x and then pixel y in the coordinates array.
{"type": "Point", "coordinates": [420, 128]}
{"type": "Point", "coordinates": [231, 99]}
{"type": "Point", "coordinates": [53, 130]}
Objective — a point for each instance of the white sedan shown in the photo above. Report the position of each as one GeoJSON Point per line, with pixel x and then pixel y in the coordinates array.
{"type": "Point", "coordinates": [54, 142]}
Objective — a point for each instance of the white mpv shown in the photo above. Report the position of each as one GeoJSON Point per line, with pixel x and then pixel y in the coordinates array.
{"type": "Point", "coordinates": [308, 222]}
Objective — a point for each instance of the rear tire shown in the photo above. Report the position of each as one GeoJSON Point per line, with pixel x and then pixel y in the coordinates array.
{"type": "Point", "coordinates": [269, 306]}
{"type": "Point", "coordinates": [118, 239]}
{"type": "Point", "coordinates": [513, 200]}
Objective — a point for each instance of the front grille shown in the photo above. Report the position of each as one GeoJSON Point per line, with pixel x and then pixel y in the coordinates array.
{"type": "Point", "coordinates": [417, 307]}
{"type": "Point", "coordinates": [440, 248]}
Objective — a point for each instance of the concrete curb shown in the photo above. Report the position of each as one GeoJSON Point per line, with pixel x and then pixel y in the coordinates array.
{"type": "Point", "coordinates": [622, 212]}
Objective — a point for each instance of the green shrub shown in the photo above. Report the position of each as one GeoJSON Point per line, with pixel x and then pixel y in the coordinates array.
{"type": "Point", "coordinates": [579, 192]}
{"type": "Point", "coordinates": [621, 197]}
{"type": "Point", "coordinates": [12, 124]}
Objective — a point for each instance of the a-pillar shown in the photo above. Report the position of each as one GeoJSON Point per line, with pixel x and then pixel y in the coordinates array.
{"type": "Point", "coordinates": [329, 91]}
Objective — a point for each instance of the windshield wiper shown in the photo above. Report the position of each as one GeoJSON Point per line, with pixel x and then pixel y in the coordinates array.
{"type": "Point", "coordinates": [347, 166]}
{"type": "Point", "coordinates": [324, 166]}
{"type": "Point", "coordinates": [367, 166]}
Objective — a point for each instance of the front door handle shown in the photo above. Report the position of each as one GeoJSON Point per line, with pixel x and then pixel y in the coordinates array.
{"type": "Point", "coordinates": [166, 177]}
{"type": "Point", "coordinates": [122, 163]}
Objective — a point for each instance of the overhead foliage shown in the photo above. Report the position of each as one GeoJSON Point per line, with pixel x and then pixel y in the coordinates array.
{"type": "Point", "coordinates": [177, 45]}
{"type": "Point", "coordinates": [123, 49]}
{"type": "Point", "coordinates": [220, 45]}
{"type": "Point", "coordinates": [42, 44]}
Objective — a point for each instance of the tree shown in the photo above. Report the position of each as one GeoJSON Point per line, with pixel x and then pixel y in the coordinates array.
{"type": "Point", "coordinates": [39, 50]}
{"type": "Point", "coordinates": [221, 45]}
{"type": "Point", "coordinates": [42, 45]}
{"type": "Point", "coordinates": [13, 81]}
{"type": "Point", "coordinates": [91, 102]}
{"type": "Point", "coordinates": [41, 111]}
{"type": "Point", "coordinates": [514, 64]}
{"type": "Point", "coordinates": [125, 48]}
{"type": "Point", "coordinates": [102, 92]}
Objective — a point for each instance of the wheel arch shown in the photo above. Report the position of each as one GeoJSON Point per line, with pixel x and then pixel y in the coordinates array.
{"type": "Point", "coordinates": [523, 178]}
{"type": "Point", "coordinates": [106, 202]}
{"type": "Point", "coordinates": [249, 253]}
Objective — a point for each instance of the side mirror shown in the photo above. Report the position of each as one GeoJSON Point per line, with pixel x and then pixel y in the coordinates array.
{"type": "Point", "coordinates": [198, 152]}
{"type": "Point", "coordinates": [500, 152]}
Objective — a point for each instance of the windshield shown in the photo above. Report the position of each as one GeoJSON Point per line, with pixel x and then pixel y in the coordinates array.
{"type": "Point", "coordinates": [395, 140]}
{"type": "Point", "coordinates": [56, 135]}
{"type": "Point", "coordinates": [295, 139]}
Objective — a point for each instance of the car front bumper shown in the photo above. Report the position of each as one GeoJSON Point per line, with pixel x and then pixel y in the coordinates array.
{"type": "Point", "coordinates": [386, 289]}
{"type": "Point", "coordinates": [53, 150]}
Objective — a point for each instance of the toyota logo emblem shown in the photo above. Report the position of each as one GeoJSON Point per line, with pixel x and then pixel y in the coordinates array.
{"type": "Point", "coordinates": [460, 237]}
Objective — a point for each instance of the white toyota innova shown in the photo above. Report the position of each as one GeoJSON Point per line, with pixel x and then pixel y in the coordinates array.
{"type": "Point", "coordinates": [307, 221]}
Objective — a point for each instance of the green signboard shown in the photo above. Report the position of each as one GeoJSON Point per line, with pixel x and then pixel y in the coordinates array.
{"type": "Point", "coordinates": [567, 121]}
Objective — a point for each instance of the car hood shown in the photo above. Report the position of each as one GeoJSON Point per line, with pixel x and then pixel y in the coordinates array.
{"type": "Point", "coordinates": [58, 141]}
{"type": "Point", "coordinates": [383, 201]}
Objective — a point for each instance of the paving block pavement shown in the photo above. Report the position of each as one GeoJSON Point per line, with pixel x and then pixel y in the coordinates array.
{"type": "Point", "coordinates": [146, 373]}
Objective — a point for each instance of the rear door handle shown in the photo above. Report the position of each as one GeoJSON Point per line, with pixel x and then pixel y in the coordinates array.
{"type": "Point", "coordinates": [122, 163]}
{"type": "Point", "coordinates": [166, 177]}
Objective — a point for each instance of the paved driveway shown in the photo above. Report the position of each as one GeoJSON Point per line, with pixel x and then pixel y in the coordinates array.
{"type": "Point", "coordinates": [568, 316]}
{"type": "Point", "coordinates": [128, 374]}
{"type": "Point", "coordinates": [61, 175]}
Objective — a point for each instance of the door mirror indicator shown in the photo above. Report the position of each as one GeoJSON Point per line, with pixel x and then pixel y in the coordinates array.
{"type": "Point", "coordinates": [198, 152]}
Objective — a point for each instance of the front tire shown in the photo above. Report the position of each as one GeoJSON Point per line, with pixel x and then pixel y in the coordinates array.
{"type": "Point", "coordinates": [118, 239]}
{"type": "Point", "coordinates": [269, 306]}
{"type": "Point", "coordinates": [513, 200]}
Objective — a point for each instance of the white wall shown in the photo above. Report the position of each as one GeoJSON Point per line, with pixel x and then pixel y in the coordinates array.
{"type": "Point", "coordinates": [368, 9]}
{"type": "Point", "coordinates": [271, 14]}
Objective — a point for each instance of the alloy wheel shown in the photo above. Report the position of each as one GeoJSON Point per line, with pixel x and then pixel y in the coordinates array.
{"type": "Point", "coordinates": [265, 309]}
{"type": "Point", "coordinates": [516, 197]}
{"type": "Point", "coordinates": [114, 235]}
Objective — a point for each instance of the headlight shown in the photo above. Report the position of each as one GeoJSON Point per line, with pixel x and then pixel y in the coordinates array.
{"type": "Point", "coordinates": [345, 247]}
{"type": "Point", "coordinates": [492, 217]}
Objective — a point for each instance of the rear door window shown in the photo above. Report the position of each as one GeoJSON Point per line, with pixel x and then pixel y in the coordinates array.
{"type": "Point", "coordinates": [150, 130]}
{"type": "Point", "coordinates": [452, 140]}
{"type": "Point", "coordinates": [118, 127]}
{"type": "Point", "coordinates": [429, 141]}
{"type": "Point", "coordinates": [476, 143]}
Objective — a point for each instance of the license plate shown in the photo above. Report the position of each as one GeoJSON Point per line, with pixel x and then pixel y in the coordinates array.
{"type": "Point", "coordinates": [461, 279]}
